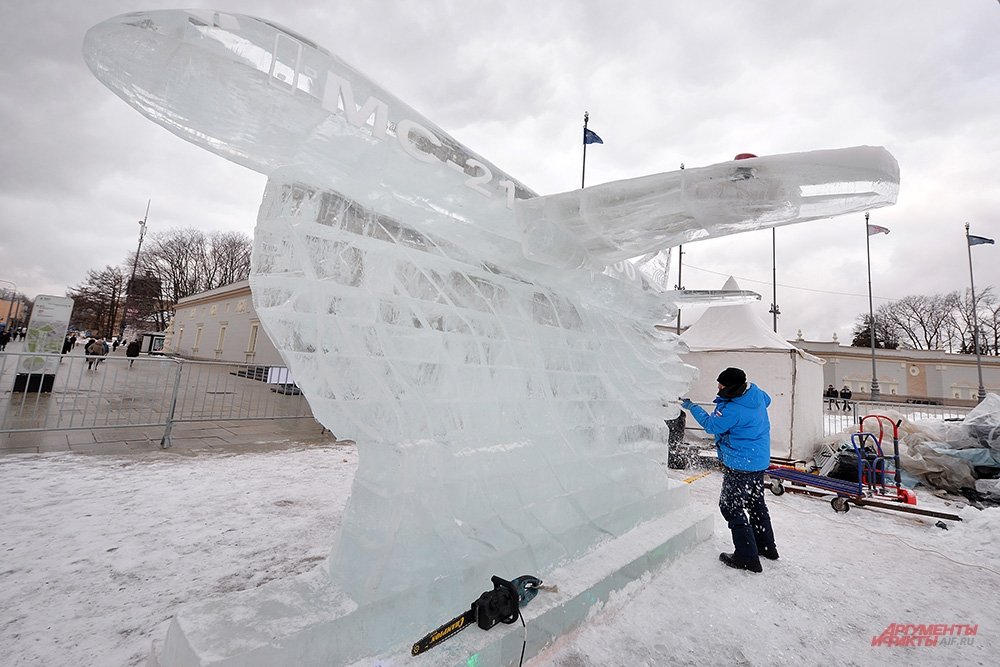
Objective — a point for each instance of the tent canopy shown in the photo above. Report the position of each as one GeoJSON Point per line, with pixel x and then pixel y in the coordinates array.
{"type": "Point", "coordinates": [735, 336]}
{"type": "Point", "coordinates": [735, 328]}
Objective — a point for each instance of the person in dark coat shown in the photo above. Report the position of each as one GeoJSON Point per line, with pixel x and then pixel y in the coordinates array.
{"type": "Point", "coordinates": [845, 397]}
{"type": "Point", "coordinates": [132, 351]}
{"type": "Point", "coordinates": [4, 339]}
{"type": "Point", "coordinates": [831, 396]}
{"type": "Point", "coordinates": [742, 433]}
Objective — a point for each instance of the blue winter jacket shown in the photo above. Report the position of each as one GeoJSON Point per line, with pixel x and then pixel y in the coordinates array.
{"type": "Point", "coordinates": [741, 428]}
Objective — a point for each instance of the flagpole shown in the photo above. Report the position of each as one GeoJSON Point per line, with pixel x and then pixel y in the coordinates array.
{"type": "Point", "coordinates": [583, 176]}
{"type": "Point", "coordinates": [875, 393]}
{"type": "Point", "coordinates": [975, 318]}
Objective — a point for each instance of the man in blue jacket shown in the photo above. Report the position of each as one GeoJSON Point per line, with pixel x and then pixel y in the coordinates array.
{"type": "Point", "coordinates": [743, 438]}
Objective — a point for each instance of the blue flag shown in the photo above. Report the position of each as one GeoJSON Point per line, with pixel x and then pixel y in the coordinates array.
{"type": "Point", "coordinates": [590, 137]}
{"type": "Point", "coordinates": [977, 240]}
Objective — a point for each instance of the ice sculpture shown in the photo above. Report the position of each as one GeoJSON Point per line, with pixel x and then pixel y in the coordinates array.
{"type": "Point", "coordinates": [504, 399]}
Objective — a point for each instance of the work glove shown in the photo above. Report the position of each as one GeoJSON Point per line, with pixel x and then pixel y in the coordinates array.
{"type": "Point", "coordinates": [686, 403]}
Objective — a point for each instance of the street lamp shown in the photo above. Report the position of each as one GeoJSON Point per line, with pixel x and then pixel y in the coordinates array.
{"type": "Point", "coordinates": [774, 281]}
{"type": "Point", "coordinates": [135, 265]}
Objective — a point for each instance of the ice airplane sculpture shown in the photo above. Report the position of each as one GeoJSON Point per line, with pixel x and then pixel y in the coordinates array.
{"type": "Point", "coordinates": [491, 351]}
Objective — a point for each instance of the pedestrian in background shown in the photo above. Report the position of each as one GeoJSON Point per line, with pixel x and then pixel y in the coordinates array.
{"type": "Point", "coordinates": [132, 351]}
{"type": "Point", "coordinates": [95, 349]}
{"type": "Point", "coordinates": [845, 397]}
{"type": "Point", "coordinates": [831, 397]}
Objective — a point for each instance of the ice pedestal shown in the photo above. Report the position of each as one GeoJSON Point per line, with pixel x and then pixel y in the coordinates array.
{"type": "Point", "coordinates": [309, 620]}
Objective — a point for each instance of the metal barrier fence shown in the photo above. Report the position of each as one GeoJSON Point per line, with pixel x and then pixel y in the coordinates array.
{"type": "Point", "coordinates": [835, 420]}
{"type": "Point", "coordinates": [115, 391]}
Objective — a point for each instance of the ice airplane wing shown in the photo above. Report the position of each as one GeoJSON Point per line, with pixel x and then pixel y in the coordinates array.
{"type": "Point", "coordinates": [493, 353]}
{"type": "Point", "coordinates": [280, 100]}
{"type": "Point", "coordinates": [606, 223]}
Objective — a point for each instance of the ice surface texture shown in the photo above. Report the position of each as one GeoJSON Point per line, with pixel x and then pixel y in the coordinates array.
{"type": "Point", "coordinates": [502, 422]}
{"type": "Point", "coordinates": [504, 406]}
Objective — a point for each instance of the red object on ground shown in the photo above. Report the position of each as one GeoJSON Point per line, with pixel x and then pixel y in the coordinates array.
{"type": "Point", "coordinates": [744, 156]}
{"type": "Point", "coordinates": [907, 496]}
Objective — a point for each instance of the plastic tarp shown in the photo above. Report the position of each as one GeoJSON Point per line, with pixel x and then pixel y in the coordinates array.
{"type": "Point", "coordinates": [734, 336]}
{"type": "Point", "coordinates": [953, 456]}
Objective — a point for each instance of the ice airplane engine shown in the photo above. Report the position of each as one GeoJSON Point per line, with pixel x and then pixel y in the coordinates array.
{"type": "Point", "coordinates": [492, 352]}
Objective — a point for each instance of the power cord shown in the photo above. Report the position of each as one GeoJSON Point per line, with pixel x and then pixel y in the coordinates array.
{"type": "Point", "coordinates": [552, 588]}
{"type": "Point", "coordinates": [524, 644]}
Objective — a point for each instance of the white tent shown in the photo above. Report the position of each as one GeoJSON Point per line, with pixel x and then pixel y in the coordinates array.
{"type": "Point", "coordinates": [734, 336]}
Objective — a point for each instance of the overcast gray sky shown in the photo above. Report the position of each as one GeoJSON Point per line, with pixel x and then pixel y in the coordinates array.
{"type": "Point", "coordinates": [664, 82]}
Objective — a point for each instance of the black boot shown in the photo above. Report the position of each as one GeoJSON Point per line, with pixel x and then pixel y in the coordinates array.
{"type": "Point", "coordinates": [770, 553]}
{"type": "Point", "coordinates": [732, 561]}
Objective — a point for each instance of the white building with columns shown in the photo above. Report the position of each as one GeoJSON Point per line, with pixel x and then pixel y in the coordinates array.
{"type": "Point", "coordinates": [220, 325]}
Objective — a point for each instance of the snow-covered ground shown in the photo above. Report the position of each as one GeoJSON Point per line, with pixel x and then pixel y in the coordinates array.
{"type": "Point", "coordinates": [842, 579]}
{"type": "Point", "coordinates": [97, 551]}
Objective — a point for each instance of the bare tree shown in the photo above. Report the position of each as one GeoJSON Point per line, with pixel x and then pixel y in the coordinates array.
{"type": "Point", "coordinates": [990, 327]}
{"type": "Point", "coordinates": [886, 334]}
{"type": "Point", "coordinates": [229, 258]}
{"type": "Point", "coordinates": [187, 261]}
{"type": "Point", "coordinates": [177, 258]}
{"type": "Point", "coordinates": [921, 320]}
{"type": "Point", "coordinates": [965, 319]}
{"type": "Point", "coordinates": [97, 302]}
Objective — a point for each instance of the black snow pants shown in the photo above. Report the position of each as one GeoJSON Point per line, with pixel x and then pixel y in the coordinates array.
{"type": "Point", "coordinates": [741, 502]}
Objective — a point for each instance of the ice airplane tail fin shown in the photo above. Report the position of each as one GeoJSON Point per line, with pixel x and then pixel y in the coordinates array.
{"type": "Point", "coordinates": [606, 223]}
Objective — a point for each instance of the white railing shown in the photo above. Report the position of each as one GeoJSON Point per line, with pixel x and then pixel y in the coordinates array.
{"type": "Point", "coordinates": [836, 420]}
